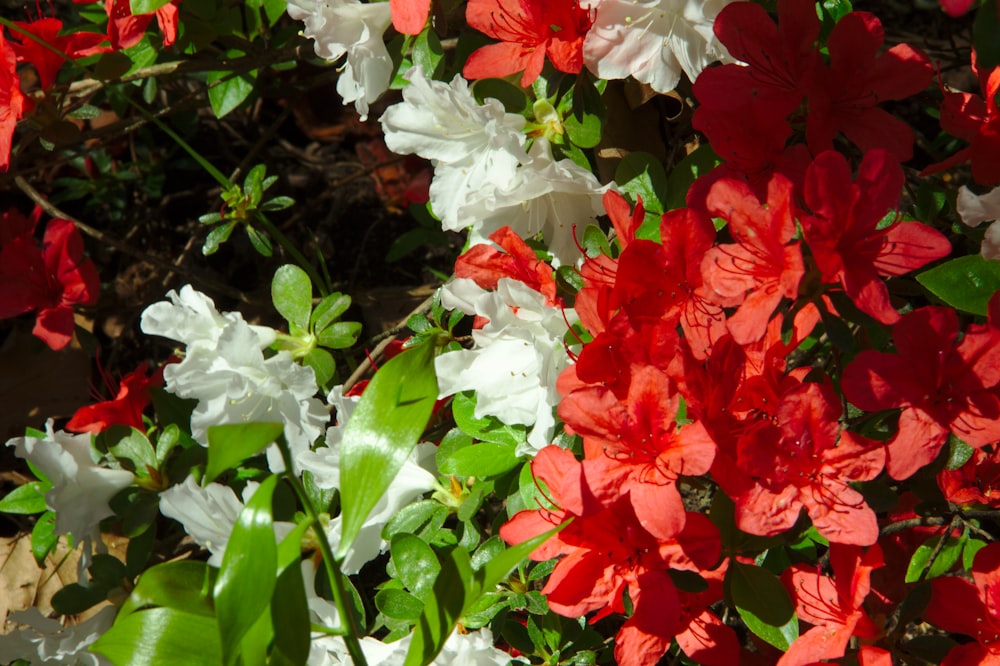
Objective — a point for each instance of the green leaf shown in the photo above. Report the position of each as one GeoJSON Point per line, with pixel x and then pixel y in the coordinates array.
{"type": "Point", "coordinates": [290, 613]}
{"type": "Point", "coordinates": [340, 335]}
{"type": "Point", "coordinates": [427, 52]}
{"type": "Point", "coordinates": [487, 429]}
{"type": "Point", "coordinates": [139, 7]}
{"type": "Point", "coordinates": [966, 283]}
{"type": "Point", "coordinates": [291, 292]}
{"type": "Point", "coordinates": [947, 557]}
{"type": "Point", "coordinates": [763, 603]}
{"type": "Point", "coordinates": [442, 607]}
{"type": "Point", "coordinates": [43, 536]}
{"type": "Point", "coordinates": [481, 460]}
{"type": "Point", "coordinates": [277, 203]}
{"type": "Point", "coordinates": [512, 97]}
{"type": "Point", "coordinates": [260, 241]}
{"type": "Point", "coordinates": [499, 566]}
{"type": "Point", "coordinates": [958, 452]}
{"type": "Point", "coordinates": [642, 175]}
{"type": "Point", "coordinates": [381, 433]}
{"type": "Point", "coordinates": [417, 566]}
{"type": "Point", "coordinates": [329, 310]}
{"type": "Point", "coordinates": [26, 499]}
{"type": "Point", "coordinates": [216, 237]}
{"type": "Point", "coordinates": [322, 363]}
{"type": "Point", "coordinates": [182, 585]}
{"type": "Point", "coordinates": [231, 444]}
{"type": "Point", "coordinates": [229, 93]}
{"type": "Point", "coordinates": [161, 636]}
{"type": "Point", "coordinates": [399, 605]}
{"type": "Point", "coordinates": [986, 37]}
{"type": "Point", "coordinates": [127, 443]}
{"type": "Point", "coordinates": [585, 130]}
{"type": "Point", "coordinates": [246, 579]}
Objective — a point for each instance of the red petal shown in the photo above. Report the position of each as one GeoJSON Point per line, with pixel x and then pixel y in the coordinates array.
{"type": "Point", "coordinates": [409, 16]}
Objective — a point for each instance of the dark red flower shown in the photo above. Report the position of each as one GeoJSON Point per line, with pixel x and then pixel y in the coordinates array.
{"type": "Point", "coordinates": [126, 29]}
{"type": "Point", "coordinates": [844, 235]}
{"type": "Point", "coordinates": [51, 280]}
{"type": "Point", "coordinates": [975, 482]}
{"type": "Point", "coordinates": [528, 30]}
{"type": "Point", "coordinates": [47, 63]}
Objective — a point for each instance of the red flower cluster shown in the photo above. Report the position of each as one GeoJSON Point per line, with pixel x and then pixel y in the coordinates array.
{"type": "Point", "coordinates": [50, 279]}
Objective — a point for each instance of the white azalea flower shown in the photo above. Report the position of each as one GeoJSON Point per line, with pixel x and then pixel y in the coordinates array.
{"type": "Point", "coordinates": [350, 27]}
{"type": "Point", "coordinates": [471, 144]}
{"type": "Point", "coordinates": [974, 210]}
{"type": "Point", "coordinates": [81, 489]}
{"type": "Point", "coordinates": [653, 40]}
{"type": "Point", "coordinates": [190, 317]}
{"type": "Point", "coordinates": [207, 514]}
{"type": "Point", "coordinates": [556, 199]}
{"type": "Point", "coordinates": [517, 358]}
{"type": "Point", "coordinates": [474, 648]}
{"type": "Point", "coordinates": [44, 641]}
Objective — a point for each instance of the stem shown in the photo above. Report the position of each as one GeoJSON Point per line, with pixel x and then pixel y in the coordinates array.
{"type": "Point", "coordinates": [293, 251]}
{"type": "Point", "coordinates": [332, 572]}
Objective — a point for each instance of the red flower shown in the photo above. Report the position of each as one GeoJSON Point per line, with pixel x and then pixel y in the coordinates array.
{"type": "Point", "coordinates": [832, 605]}
{"type": "Point", "coordinates": [125, 409]}
{"type": "Point", "coordinates": [47, 63]}
{"type": "Point", "coordinates": [941, 384]}
{"type": "Point", "coordinates": [975, 482]}
{"type": "Point", "coordinates": [13, 104]}
{"type": "Point", "coordinates": [126, 29]}
{"type": "Point", "coordinates": [486, 265]}
{"type": "Point", "coordinates": [956, 8]}
{"type": "Point", "coordinates": [844, 237]}
{"type": "Point", "coordinates": [528, 31]}
{"type": "Point", "coordinates": [797, 463]}
{"type": "Point", "coordinates": [977, 120]}
{"type": "Point", "coordinates": [410, 16]}
{"type": "Point", "coordinates": [50, 280]}
{"type": "Point", "coordinates": [607, 552]}
{"type": "Point", "coordinates": [762, 266]}
{"type": "Point", "coordinates": [845, 98]}
{"type": "Point", "coordinates": [970, 609]}
{"type": "Point", "coordinates": [706, 639]}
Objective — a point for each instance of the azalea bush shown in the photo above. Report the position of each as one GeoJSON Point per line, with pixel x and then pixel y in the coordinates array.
{"type": "Point", "coordinates": [715, 378]}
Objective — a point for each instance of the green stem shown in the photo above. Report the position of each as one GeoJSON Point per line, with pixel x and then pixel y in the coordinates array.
{"type": "Point", "coordinates": [317, 279]}
{"type": "Point", "coordinates": [333, 572]}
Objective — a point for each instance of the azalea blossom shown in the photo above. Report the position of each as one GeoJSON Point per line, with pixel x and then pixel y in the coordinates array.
{"type": "Point", "coordinates": [207, 513]}
{"type": "Point", "coordinates": [356, 29]}
{"type": "Point", "coordinates": [125, 409]}
{"type": "Point", "coordinates": [13, 103]}
{"type": "Point", "coordinates": [516, 360]}
{"type": "Point", "coordinates": [472, 146]}
{"type": "Point", "coordinates": [81, 488]}
{"type": "Point", "coordinates": [42, 641]}
{"type": "Point", "coordinates": [469, 648]}
{"type": "Point", "coordinates": [556, 199]}
{"type": "Point", "coordinates": [46, 63]}
{"type": "Point", "coordinates": [974, 210]}
{"type": "Point", "coordinates": [653, 40]}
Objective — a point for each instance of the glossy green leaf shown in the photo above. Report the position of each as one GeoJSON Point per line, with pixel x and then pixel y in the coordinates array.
{"type": "Point", "coordinates": [127, 443]}
{"type": "Point", "coordinates": [290, 615]}
{"type": "Point", "coordinates": [182, 585]}
{"type": "Point", "coordinates": [161, 636]}
{"type": "Point", "coordinates": [442, 607]}
{"type": "Point", "coordinates": [329, 309]}
{"type": "Point", "coordinates": [339, 335]}
{"type": "Point", "coordinates": [417, 566]}
{"type": "Point", "coordinates": [583, 130]}
{"type": "Point", "coordinates": [427, 51]}
{"type": "Point", "coordinates": [640, 174]}
{"type": "Point", "coordinates": [381, 433]}
{"type": "Point", "coordinates": [946, 557]}
{"type": "Point", "coordinates": [323, 365]}
{"type": "Point", "coordinates": [487, 429]}
{"type": "Point", "coordinates": [247, 577]}
{"type": "Point", "coordinates": [139, 7]}
{"type": "Point", "coordinates": [399, 605]}
{"type": "Point", "coordinates": [229, 93]}
{"type": "Point", "coordinates": [26, 499]}
{"type": "Point", "coordinates": [43, 536]}
{"type": "Point", "coordinates": [481, 460]}
{"type": "Point", "coordinates": [762, 601]}
{"type": "Point", "coordinates": [966, 283]}
{"type": "Point", "coordinates": [500, 566]}
{"type": "Point", "coordinates": [291, 292]}
{"type": "Point", "coordinates": [781, 636]}
{"type": "Point", "coordinates": [231, 444]}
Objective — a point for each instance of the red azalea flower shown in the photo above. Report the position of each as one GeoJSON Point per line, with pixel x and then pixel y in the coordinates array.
{"type": "Point", "coordinates": [977, 120]}
{"type": "Point", "coordinates": [705, 639]}
{"type": "Point", "coordinates": [50, 280]}
{"type": "Point", "coordinates": [528, 31]}
{"type": "Point", "coordinates": [843, 233]}
{"type": "Point", "coordinates": [125, 409]}
{"type": "Point", "coordinates": [975, 482]}
{"type": "Point", "coordinates": [410, 16]}
{"type": "Point", "coordinates": [607, 552]}
{"type": "Point", "coordinates": [47, 63]}
{"type": "Point", "coordinates": [970, 609]}
{"type": "Point", "coordinates": [624, 220]}
{"type": "Point", "coordinates": [762, 266]}
{"type": "Point", "coordinates": [832, 605]}
{"type": "Point", "coordinates": [941, 384]}
{"type": "Point", "coordinates": [846, 97]}
{"type": "Point", "coordinates": [126, 29]}
{"type": "Point", "coordinates": [13, 103]}
{"type": "Point", "coordinates": [797, 462]}
{"type": "Point", "coordinates": [486, 265]}
{"type": "Point", "coordinates": [955, 8]}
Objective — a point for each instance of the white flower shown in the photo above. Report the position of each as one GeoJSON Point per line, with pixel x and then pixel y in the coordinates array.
{"type": "Point", "coordinates": [41, 640]}
{"type": "Point", "coordinates": [474, 648]}
{"type": "Point", "coordinates": [349, 27]}
{"type": "Point", "coordinates": [81, 489]}
{"type": "Point", "coordinates": [974, 210]}
{"type": "Point", "coordinates": [517, 358]}
{"type": "Point", "coordinates": [653, 40]}
{"type": "Point", "coordinates": [224, 368]}
{"type": "Point", "coordinates": [556, 199]}
{"type": "Point", "coordinates": [471, 144]}
{"type": "Point", "coordinates": [207, 514]}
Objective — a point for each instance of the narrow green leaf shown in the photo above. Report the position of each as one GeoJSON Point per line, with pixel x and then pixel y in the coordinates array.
{"type": "Point", "coordinates": [185, 585]}
{"type": "Point", "coordinates": [249, 567]}
{"type": "Point", "coordinates": [26, 499]}
{"type": "Point", "coordinates": [161, 636]}
{"type": "Point", "coordinates": [229, 445]}
{"type": "Point", "coordinates": [291, 292]}
{"type": "Point", "coordinates": [427, 51]}
{"type": "Point", "coordinates": [381, 433]}
{"type": "Point", "coordinates": [216, 237]}
{"type": "Point", "coordinates": [966, 283]}
{"type": "Point", "coordinates": [260, 241]}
